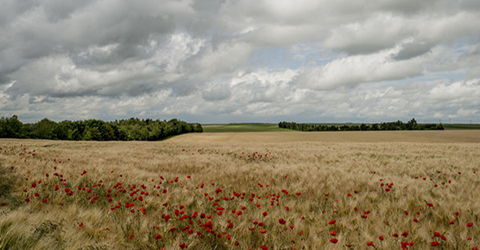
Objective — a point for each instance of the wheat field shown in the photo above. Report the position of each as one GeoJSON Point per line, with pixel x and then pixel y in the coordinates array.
{"type": "Point", "coordinates": [351, 190]}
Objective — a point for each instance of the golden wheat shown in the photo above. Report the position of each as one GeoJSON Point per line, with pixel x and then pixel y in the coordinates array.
{"type": "Point", "coordinates": [335, 180]}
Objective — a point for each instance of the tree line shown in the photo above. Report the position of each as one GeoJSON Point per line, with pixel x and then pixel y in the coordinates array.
{"type": "Point", "coordinates": [96, 130]}
{"type": "Point", "coordinates": [398, 125]}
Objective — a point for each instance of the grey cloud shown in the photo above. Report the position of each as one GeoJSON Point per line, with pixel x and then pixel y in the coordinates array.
{"type": "Point", "coordinates": [411, 50]}
{"type": "Point", "coordinates": [216, 94]}
{"type": "Point", "coordinates": [56, 10]}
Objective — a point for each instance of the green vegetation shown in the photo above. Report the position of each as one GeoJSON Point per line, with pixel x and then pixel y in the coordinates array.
{"type": "Point", "coordinates": [242, 127]}
{"type": "Point", "coordinates": [96, 130]}
{"type": "Point", "coordinates": [398, 125]}
{"type": "Point", "coordinates": [461, 126]}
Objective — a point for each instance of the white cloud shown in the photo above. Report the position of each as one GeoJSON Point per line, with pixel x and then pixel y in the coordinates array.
{"type": "Point", "coordinates": [249, 60]}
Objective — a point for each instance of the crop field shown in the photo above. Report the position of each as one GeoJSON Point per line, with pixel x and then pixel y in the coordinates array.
{"type": "Point", "coordinates": [317, 190]}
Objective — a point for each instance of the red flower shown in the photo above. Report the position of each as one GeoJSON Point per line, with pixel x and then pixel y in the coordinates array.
{"type": "Point", "coordinates": [182, 245]}
{"type": "Point", "coordinates": [158, 237]}
{"type": "Point", "coordinates": [332, 222]}
{"type": "Point", "coordinates": [405, 234]}
{"type": "Point", "coordinates": [237, 243]}
{"type": "Point", "coordinates": [332, 233]}
{"type": "Point", "coordinates": [334, 241]}
{"type": "Point", "coordinates": [415, 219]}
{"type": "Point", "coordinates": [282, 221]}
{"type": "Point", "coordinates": [370, 244]}
{"type": "Point", "coordinates": [469, 224]}
{"type": "Point", "coordinates": [430, 204]}
{"type": "Point", "coordinates": [380, 237]}
{"type": "Point", "coordinates": [434, 244]}
{"type": "Point", "coordinates": [81, 224]}
{"type": "Point", "coordinates": [263, 247]}
{"type": "Point", "coordinates": [263, 231]}
{"type": "Point", "coordinates": [265, 213]}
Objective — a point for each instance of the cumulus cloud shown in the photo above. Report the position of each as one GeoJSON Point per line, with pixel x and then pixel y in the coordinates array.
{"type": "Point", "coordinates": [253, 60]}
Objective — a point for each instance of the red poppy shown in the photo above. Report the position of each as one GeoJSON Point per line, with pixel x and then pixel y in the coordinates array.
{"type": "Point", "coordinates": [332, 222]}
{"type": "Point", "coordinates": [334, 241]}
{"type": "Point", "coordinates": [469, 224]}
{"type": "Point", "coordinates": [158, 237]}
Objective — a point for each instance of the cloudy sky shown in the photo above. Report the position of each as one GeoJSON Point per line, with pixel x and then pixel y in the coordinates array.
{"type": "Point", "coordinates": [215, 61]}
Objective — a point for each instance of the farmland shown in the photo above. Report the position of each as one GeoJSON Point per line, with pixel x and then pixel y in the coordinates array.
{"type": "Point", "coordinates": [270, 190]}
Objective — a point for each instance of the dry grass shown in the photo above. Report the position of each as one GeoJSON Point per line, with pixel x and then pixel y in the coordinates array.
{"type": "Point", "coordinates": [311, 167]}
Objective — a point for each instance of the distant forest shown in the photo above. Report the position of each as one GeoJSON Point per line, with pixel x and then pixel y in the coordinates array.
{"type": "Point", "coordinates": [398, 125]}
{"type": "Point", "coordinates": [96, 130]}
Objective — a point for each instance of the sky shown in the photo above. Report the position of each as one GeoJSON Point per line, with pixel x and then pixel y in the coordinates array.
{"type": "Point", "coordinates": [214, 61]}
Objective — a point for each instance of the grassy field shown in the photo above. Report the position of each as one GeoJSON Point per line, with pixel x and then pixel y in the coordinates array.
{"type": "Point", "coordinates": [341, 190]}
{"type": "Point", "coordinates": [243, 127]}
{"type": "Point", "coordinates": [461, 126]}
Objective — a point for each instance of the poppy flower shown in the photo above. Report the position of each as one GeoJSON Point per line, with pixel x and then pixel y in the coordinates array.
{"type": "Point", "coordinates": [405, 234]}
{"type": "Point", "coordinates": [332, 222]}
{"type": "Point", "coordinates": [158, 237]}
{"type": "Point", "coordinates": [470, 224]}
{"type": "Point", "coordinates": [380, 237]}
{"type": "Point", "coordinates": [434, 244]}
{"type": "Point", "coordinates": [334, 241]}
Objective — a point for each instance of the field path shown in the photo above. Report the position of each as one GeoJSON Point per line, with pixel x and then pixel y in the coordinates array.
{"type": "Point", "coordinates": [446, 136]}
